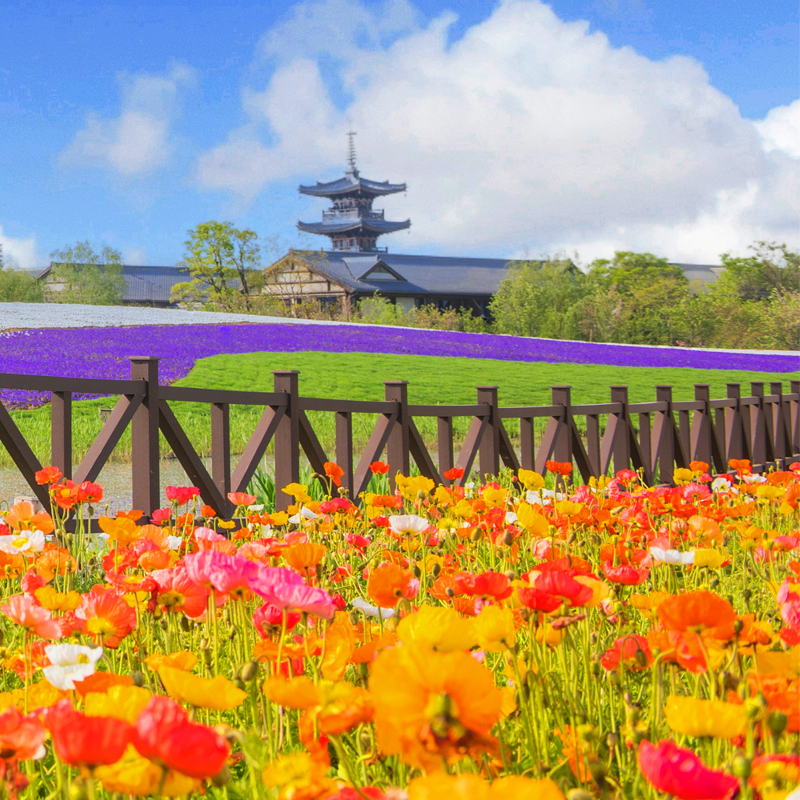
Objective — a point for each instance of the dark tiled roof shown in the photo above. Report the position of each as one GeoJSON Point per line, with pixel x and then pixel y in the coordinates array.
{"type": "Point", "coordinates": [152, 284]}
{"type": "Point", "coordinates": [441, 275]}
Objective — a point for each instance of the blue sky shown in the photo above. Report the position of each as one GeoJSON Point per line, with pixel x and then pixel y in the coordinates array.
{"type": "Point", "coordinates": [521, 127]}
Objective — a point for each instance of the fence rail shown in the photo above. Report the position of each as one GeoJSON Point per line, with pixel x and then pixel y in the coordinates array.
{"type": "Point", "coordinates": [763, 427]}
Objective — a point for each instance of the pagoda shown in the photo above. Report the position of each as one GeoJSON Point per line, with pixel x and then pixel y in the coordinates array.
{"type": "Point", "coordinates": [351, 222]}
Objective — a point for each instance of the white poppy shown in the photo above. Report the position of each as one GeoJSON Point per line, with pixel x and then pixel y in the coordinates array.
{"type": "Point", "coordinates": [674, 557]}
{"type": "Point", "coordinates": [70, 663]}
{"type": "Point", "coordinates": [304, 515]}
{"type": "Point", "coordinates": [754, 478]}
{"type": "Point", "coordinates": [511, 517]}
{"type": "Point", "coordinates": [22, 542]}
{"type": "Point", "coordinates": [372, 611]}
{"type": "Point", "coordinates": [408, 523]}
{"type": "Point", "coordinates": [174, 542]}
{"type": "Point", "coordinates": [723, 485]}
{"type": "Point", "coordinates": [256, 507]}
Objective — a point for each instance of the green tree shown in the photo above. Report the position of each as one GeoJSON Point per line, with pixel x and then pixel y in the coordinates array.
{"type": "Point", "coordinates": [632, 298]}
{"type": "Point", "coordinates": [538, 298]}
{"type": "Point", "coordinates": [223, 262]}
{"type": "Point", "coordinates": [81, 274]}
{"type": "Point", "coordinates": [772, 268]}
{"type": "Point", "coordinates": [17, 285]}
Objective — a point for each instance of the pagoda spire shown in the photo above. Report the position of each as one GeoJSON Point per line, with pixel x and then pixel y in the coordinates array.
{"type": "Point", "coordinates": [351, 223]}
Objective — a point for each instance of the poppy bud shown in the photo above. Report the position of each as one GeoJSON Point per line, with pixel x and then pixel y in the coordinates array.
{"type": "Point", "coordinates": [598, 771]}
{"type": "Point", "coordinates": [164, 623]}
{"type": "Point", "coordinates": [435, 570]}
{"type": "Point", "coordinates": [595, 668]}
{"type": "Point", "coordinates": [184, 624]}
{"type": "Point", "coordinates": [776, 722]}
{"type": "Point", "coordinates": [239, 684]}
{"type": "Point", "coordinates": [713, 583]}
{"type": "Point", "coordinates": [754, 706]}
{"type": "Point", "coordinates": [353, 618]}
{"type": "Point", "coordinates": [222, 777]}
{"type": "Point", "coordinates": [450, 592]}
{"type": "Point", "coordinates": [738, 625]}
{"type": "Point", "coordinates": [640, 657]}
{"type": "Point", "coordinates": [612, 740]}
{"type": "Point", "coordinates": [775, 771]}
{"type": "Point", "coordinates": [203, 643]}
{"type": "Point", "coordinates": [613, 678]}
{"type": "Point", "coordinates": [138, 678]}
{"type": "Point", "coordinates": [365, 740]}
{"type": "Point", "coordinates": [579, 794]}
{"type": "Point", "coordinates": [417, 571]}
{"type": "Point", "coordinates": [320, 571]}
{"type": "Point", "coordinates": [747, 594]}
{"type": "Point", "coordinates": [572, 538]}
{"type": "Point", "coordinates": [208, 656]}
{"type": "Point", "coordinates": [508, 538]}
{"type": "Point", "coordinates": [741, 767]}
{"type": "Point", "coordinates": [475, 536]}
{"type": "Point", "coordinates": [2, 637]}
{"type": "Point", "coordinates": [249, 671]}
{"type": "Point", "coordinates": [363, 670]}
{"type": "Point", "coordinates": [525, 614]}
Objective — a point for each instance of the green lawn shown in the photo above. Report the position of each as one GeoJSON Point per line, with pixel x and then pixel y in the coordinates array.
{"type": "Point", "coordinates": [360, 376]}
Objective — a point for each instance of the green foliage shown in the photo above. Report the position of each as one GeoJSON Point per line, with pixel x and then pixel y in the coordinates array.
{"type": "Point", "coordinates": [773, 269]}
{"type": "Point", "coordinates": [81, 274]}
{"type": "Point", "coordinates": [539, 298]}
{"type": "Point", "coordinates": [224, 264]}
{"type": "Point", "coordinates": [16, 285]}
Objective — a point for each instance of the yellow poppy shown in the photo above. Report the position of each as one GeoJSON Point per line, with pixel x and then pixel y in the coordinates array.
{"type": "Point", "coordinates": [532, 520]}
{"type": "Point", "coordinates": [136, 775]}
{"type": "Point", "coordinates": [438, 627]}
{"type": "Point", "coordinates": [180, 659]}
{"type": "Point", "coordinates": [494, 627]}
{"type": "Point", "coordinates": [709, 557]}
{"type": "Point", "coordinates": [218, 692]}
{"type": "Point", "coordinates": [531, 480]}
{"type": "Point", "coordinates": [693, 717]}
{"type": "Point", "coordinates": [785, 663]}
{"type": "Point", "coordinates": [295, 693]}
{"type": "Point", "coordinates": [469, 786]}
{"type": "Point", "coordinates": [120, 702]}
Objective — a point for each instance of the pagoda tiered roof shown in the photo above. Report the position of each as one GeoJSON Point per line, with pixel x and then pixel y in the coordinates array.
{"type": "Point", "coordinates": [351, 183]}
{"type": "Point", "coordinates": [376, 227]}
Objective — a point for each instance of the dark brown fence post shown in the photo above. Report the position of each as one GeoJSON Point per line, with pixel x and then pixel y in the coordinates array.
{"type": "Point", "coordinates": [778, 425]}
{"type": "Point", "coordinates": [61, 431]}
{"type": "Point", "coordinates": [344, 448]}
{"type": "Point", "coordinates": [794, 417]}
{"type": "Point", "coordinates": [145, 454]}
{"type": "Point", "coordinates": [221, 447]}
{"type": "Point", "coordinates": [700, 449]}
{"type": "Point", "coordinates": [734, 428]}
{"type": "Point", "coordinates": [562, 448]}
{"type": "Point", "coordinates": [397, 448]}
{"type": "Point", "coordinates": [622, 447]}
{"type": "Point", "coordinates": [444, 439]}
{"type": "Point", "coordinates": [489, 453]}
{"type": "Point", "coordinates": [758, 432]}
{"type": "Point", "coordinates": [287, 437]}
{"type": "Point", "coordinates": [664, 435]}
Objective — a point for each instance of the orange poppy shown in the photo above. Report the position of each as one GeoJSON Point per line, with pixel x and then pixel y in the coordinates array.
{"type": "Point", "coordinates": [304, 556]}
{"type": "Point", "coordinates": [334, 472]}
{"type": "Point", "coordinates": [21, 516]}
{"type": "Point", "coordinates": [695, 611]}
{"type": "Point", "coordinates": [388, 583]}
{"type": "Point", "coordinates": [433, 708]}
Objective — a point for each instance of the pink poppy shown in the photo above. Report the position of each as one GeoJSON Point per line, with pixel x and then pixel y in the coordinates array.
{"type": "Point", "coordinates": [285, 588]}
{"type": "Point", "coordinates": [23, 610]}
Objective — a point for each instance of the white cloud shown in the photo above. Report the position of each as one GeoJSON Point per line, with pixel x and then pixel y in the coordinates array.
{"type": "Point", "coordinates": [138, 140]}
{"type": "Point", "coordinates": [20, 252]}
{"type": "Point", "coordinates": [528, 132]}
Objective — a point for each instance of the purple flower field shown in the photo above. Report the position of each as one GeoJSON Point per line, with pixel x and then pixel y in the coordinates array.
{"type": "Point", "coordinates": [104, 352]}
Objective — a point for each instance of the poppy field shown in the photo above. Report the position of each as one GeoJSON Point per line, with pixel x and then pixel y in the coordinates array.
{"type": "Point", "coordinates": [525, 637]}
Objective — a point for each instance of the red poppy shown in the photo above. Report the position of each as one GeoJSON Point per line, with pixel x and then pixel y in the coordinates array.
{"type": "Point", "coordinates": [633, 651]}
{"type": "Point", "coordinates": [48, 475]}
{"type": "Point", "coordinates": [564, 586]}
{"type": "Point", "coordinates": [485, 584]}
{"type": "Point", "coordinates": [537, 600]}
{"type": "Point", "coordinates": [82, 741]}
{"type": "Point", "coordinates": [20, 736]}
{"type": "Point", "coordinates": [181, 494]}
{"type": "Point", "coordinates": [89, 492]}
{"type": "Point", "coordinates": [164, 735]}
{"type": "Point", "coordinates": [673, 770]}
{"type": "Point", "coordinates": [559, 467]}
{"type": "Point", "coordinates": [379, 468]}
{"type": "Point", "coordinates": [625, 574]}
{"type": "Point", "coordinates": [453, 474]}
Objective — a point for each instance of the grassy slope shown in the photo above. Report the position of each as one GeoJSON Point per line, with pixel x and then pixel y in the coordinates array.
{"type": "Point", "coordinates": [359, 376]}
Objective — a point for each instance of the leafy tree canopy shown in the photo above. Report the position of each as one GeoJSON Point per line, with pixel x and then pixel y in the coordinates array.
{"type": "Point", "coordinates": [82, 274]}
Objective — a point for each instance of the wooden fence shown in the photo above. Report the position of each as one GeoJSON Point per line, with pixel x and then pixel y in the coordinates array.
{"type": "Point", "coordinates": [763, 427]}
